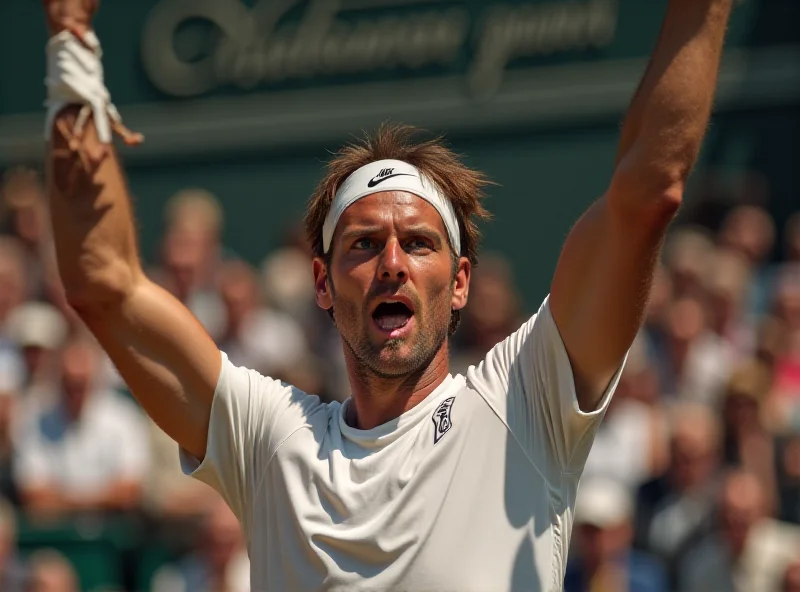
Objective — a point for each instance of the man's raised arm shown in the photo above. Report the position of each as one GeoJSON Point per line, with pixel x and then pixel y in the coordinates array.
{"type": "Point", "coordinates": [602, 281]}
{"type": "Point", "coordinates": [167, 359]}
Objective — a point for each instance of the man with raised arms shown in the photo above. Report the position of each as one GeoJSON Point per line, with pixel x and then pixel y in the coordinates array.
{"type": "Point", "coordinates": [421, 480]}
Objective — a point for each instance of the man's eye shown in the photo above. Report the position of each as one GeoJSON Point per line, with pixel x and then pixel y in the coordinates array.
{"type": "Point", "coordinates": [363, 243]}
{"type": "Point", "coordinates": [418, 244]}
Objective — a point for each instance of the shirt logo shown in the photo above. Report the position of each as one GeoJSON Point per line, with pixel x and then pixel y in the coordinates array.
{"type": "Point", "coordinates": [441, 419]}
{"type": "Point", "coordinates": [384, 175]}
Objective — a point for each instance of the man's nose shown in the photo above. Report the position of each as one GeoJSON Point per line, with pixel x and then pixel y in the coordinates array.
{"type": "Point", "coordinates": [393, 264]}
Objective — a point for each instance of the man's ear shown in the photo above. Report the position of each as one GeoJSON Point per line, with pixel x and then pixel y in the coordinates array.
{"type": "Point", "coordinates": [461, 284]}
{"type": "Point", "coordinates": [321, 288]}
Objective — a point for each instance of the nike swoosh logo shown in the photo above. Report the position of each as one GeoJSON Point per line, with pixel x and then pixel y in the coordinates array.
{"type": "Point", "coordinates": [373, 182]}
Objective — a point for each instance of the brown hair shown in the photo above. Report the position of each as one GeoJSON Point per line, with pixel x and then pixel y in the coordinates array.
{"type": "Point", "coordinates": [461, 184]}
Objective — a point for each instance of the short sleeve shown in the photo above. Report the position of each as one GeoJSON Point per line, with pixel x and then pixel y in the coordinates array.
{"type": "Point", "coordinates": [250, 416]}
{"type": "Point", "coordinates": [527, 379]}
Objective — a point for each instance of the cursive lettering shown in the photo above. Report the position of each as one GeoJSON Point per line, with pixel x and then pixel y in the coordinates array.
{"type": "Point", "coordinates": [255, 47]}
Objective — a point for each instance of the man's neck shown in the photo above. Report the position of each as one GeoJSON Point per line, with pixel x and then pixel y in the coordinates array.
{"type": "Point", "coordinates": [377, 400]}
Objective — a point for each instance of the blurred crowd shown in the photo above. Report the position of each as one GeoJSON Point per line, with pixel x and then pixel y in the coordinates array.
{"type": "Point", "coordinates": [693, 483]}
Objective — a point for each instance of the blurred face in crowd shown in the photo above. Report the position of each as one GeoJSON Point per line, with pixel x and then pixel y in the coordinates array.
{"type": "Point", "coordinates": [239, 292]}
{"type": "Point", "coordinates": [36, 358]}
{"type": "Point", "coordinates": [726, 285]}
{"type": "Point", "coordinates": [52, 575]}
{"type": "Point", "coordinates": [694, 453]}
{"type": "Point", "coordinates": [30, 223]}
{"type": "Point", "coordinates": [741, 507]}
{"type": "Point", "coordinates": [77, 376]}
{"type": "Point", "coordinates": [183, 259]}
{"type": "Point", "coordinates": [12, 279]}
{"type": "Point", "coordinates": [686, 321]}
{"type": "Point", "coordinates": [741, 413]}
{"type": "Point", "coordinates": [599, 545]}
{"type": "Point", "coordinates": [749, 231]}
{"type": "Point", "coordinates": [494, 309]}
{"type": "Point", "coordinates": [687, 253]}
{"type": "Point", "coordinates": [23, 194]}
{"type": "Point", "coordinates": [391, 283]}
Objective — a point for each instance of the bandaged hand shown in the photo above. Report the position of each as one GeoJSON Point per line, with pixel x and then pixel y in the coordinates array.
{"type": "Point", "coordinates": [75, 77]}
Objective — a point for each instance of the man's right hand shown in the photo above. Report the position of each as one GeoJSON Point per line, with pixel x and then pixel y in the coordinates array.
{"type": "Point", "coordinates": [74, 16]}
{"type": "Point", "coordinates": [162, 352]}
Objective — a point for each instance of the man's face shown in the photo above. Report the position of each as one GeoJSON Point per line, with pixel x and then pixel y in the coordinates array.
{"type": "Point", "coordinates": [391, 282]}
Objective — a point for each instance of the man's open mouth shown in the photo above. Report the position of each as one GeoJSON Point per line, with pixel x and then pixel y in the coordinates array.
{"type": "Point", "coordinates": [392, 315]}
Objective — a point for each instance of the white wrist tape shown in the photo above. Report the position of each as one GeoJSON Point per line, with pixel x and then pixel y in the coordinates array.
{"type": "Point", "coordinates": [75, 77]}
{"type": "Point", "coordinates": [390, 175]}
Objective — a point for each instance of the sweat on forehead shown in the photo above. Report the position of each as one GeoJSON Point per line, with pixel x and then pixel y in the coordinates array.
{"type": "Point", "coordinates": [384, 176]}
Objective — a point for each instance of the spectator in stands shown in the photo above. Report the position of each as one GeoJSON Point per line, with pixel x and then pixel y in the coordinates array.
{"type": "Point", "coordinates": [12, 570]}
{"type": "Point", "coordinates": [687, 252]}
{"type": "Point", "coordinates": [85, 449]}
{"type": "Point", "coordinates": [677, 508]}
{"type": "Point", "coordinates": [288, 284]}
{"type": "Point", "coordinates": [13, 280]}
{"type": "Point", "coordinates": [181, 273]}
{"type": "Point", "coordinates": [726, 283]}
{"type": "Point", "coordinates": [39, 330]}
{"type": "Point", "coordinates": [747, 551]}
{"type": "Point", "coordinates": [191, 254]}
{"type": "Point", "coordinates": [749, 232]}
{"type": "Point", "coordinates": [748, 442]}
{"type": "Point", "coordinates": [695, 362]}
{"type": "Point", "coordinates": [784, 403]}
{"type": "Point", "coordinates": [630, 445]}
{"type": "Point", "coordinates": [220, 561]}
{"type": "Point", "coordinates": [255, 336]}
{"type": "Point", "coordinates": [604, 560]}
{"type": "Point", "coordinates": [494, 312]}
{"type": "Point", "coordinates": [11, 384]}
{"type": "Point", "coordinates": [50, 571]}
{"type": "Point", "coordinates": [198, 213]}
{"type": "Point", "coordinates": [24, 200]}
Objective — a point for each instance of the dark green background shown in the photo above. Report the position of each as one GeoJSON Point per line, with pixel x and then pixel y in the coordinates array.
{"type": "Point", "coordinates": [547, 174]}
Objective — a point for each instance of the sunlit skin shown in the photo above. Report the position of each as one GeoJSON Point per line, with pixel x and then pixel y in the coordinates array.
{"type": "Point", "coordinates": [388, 246]}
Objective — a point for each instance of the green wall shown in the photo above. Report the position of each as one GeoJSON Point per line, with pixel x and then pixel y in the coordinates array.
{"type": "Point", "coordinates": [551, 158]}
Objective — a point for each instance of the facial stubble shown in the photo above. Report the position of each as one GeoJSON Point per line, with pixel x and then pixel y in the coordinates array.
{"type": "Point", "coordinates": [431, 331]}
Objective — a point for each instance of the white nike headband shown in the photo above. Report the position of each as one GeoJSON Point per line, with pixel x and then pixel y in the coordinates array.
{"type": "Point", "coordinates": [390, 175]}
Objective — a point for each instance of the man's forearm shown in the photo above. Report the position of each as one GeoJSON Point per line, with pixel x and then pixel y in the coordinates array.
{"type": "Point", "coordinates": [669, 114]}
{"type": "Point", "coordinates": [92, 221]}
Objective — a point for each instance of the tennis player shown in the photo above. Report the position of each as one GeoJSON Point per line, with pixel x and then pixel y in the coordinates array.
{"type": "Point", "coordinates": [421, 480]}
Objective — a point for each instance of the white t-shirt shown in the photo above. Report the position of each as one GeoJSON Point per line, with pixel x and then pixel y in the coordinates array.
{"type": "Point", "coordinates": [471, 490]}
